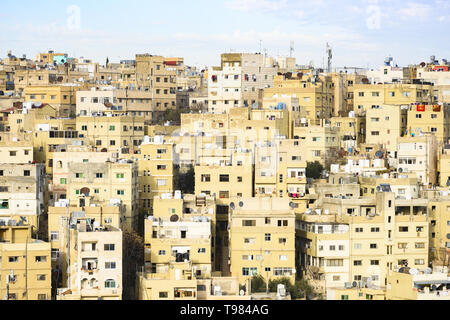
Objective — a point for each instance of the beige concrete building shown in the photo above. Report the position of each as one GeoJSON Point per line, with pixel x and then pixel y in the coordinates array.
{"type": "Point", "coordinates": [95, 262]}
{"type": "Point", "coordinates": [262, 239]}
{"type": "Point", "coordinates": [24, 265]}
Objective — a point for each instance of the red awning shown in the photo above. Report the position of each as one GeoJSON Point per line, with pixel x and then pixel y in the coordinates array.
{"type": "Point", "coordinates": [421, 108]}
{"type": "Point", "coordinates": [170, 63]}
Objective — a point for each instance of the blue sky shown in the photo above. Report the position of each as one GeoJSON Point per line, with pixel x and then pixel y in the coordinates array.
{"type": "Point", "coordinates": [362, 33]}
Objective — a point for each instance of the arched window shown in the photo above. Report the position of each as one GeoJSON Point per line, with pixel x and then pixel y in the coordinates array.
{"type": "Point", "coordinates": [110, 283]}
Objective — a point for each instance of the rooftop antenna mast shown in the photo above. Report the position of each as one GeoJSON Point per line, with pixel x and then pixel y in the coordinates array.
{"type": "Point", "coordinates": [330, 57]}
{"type": "Point", "coordinates": [260, 46]}
{"type": "Point", "coordinates": [292, 49]}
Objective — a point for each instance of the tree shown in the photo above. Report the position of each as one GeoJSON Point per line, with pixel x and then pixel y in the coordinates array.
{"type": "Point", "coordinates": [186, 181]}
{"type": "Point", "coordinates": [132, 261]}
{"type": "Point", "coordinates": [258, 284]}
{"type": "Point", "coordinates": [314, 170]}
{"type": "Point", "coordinates": [300, 289]}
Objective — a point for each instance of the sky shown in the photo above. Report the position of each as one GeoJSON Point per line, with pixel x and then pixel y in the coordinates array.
{"type": "Point", "coordinates": [362, 33]}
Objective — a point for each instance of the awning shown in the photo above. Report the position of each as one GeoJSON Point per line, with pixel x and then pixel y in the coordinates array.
{"type": "Point", "coordinates": [438, 282]}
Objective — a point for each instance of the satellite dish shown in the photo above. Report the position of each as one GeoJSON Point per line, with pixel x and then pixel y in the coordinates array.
{"type": "Point", "coordinates": [378, 189]}
{"type": "Point", "coordinates": [428, 271]}
{"type": "Point", "coordinates": [242, 293]}
{"type": "Point", "coordinates": [433, 287]}
{"type": "Point", "coordinates": [232, 206]}
{"type": "Point", "coordinates": [292, 205]}
{"type": "Point", "coordinates": [448, 236]}
{"type": "Point", "coordinates": [400, 170]}
{"type": "Point", "coordinates": [413, 272]}
{"type": "Point", "coordinates": [241, 204]}
{"type": "Point", "coordinates": [355, 284]}
{"type": "Point", "coordinates": [38, 104]}
{"type": "Point", "coordinates": [379, 154]}
{"type": "Point", "coordinates": [174, 218]}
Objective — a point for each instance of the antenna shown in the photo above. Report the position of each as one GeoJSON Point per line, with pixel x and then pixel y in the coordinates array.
{"type": "Point", "coordinates": [292, 49]}
{"type": "Point", "coordinates": [260, 46]}
{"type": "Point", "coordinates": [330, 57]}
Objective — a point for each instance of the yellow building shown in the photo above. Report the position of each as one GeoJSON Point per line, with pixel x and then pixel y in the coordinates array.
{"type": "Point", "coordinates": [24, 265]}
{"type": "Point", "coordinates": [60, 97]}
{"type": "Point", "coordinates": [368, 95]}
{"type": "Point", "coordinates": [439, 209]}
{"type": "Point", "coordinates": [156, 170]}
{"type": "Point", "coordinates": [121, 134]}
{"type": "Point", "coordinates": [352, 131]}
{"type": "Point", "coordinates": [95, 262]}
{"type": "Point", "coordinates": [315, 93]}
{"type": "Point", "coordinates": [385, 125]}
{"type": "Point", "coordinates": [433, 119]}
{"type": "Point", "coordinates": [101, 184]}
{"type": "Point", "coordinates": [262, 239]}
{"type": "Point", "coordinates": [321, 142]}
{"type": "Point", "coordinates": [362, 239]}
{"type": "Point", "coordinates": [155, 74]}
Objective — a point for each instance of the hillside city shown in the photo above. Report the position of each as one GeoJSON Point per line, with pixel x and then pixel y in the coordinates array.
{"type": "Point", "coordinates": [256, 179]}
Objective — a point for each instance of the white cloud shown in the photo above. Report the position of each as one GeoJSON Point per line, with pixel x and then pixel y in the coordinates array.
{"type": "Point", "coordinates": [415, 11]}
{"type": "Point", "coordinates": [256, 5]}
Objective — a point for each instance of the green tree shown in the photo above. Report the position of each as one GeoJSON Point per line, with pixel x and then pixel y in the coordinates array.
{"type": "Point", "coordinates": [258, 284]}
{"type": "Point", "coordinates": [314, 170]}
{"type": "Point", "coordinates": [185, 182]}
{"type": "Point", "coordinates": [132, 262]}
{"type": "Point", "coordinates": [300, 289]}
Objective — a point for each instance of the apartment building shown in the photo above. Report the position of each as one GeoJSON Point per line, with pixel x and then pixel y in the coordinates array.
{"type": "Point", "coordinates": [352, 131]}
{"type": "Point", "coordinates": [24, 265]}
{"type": "Point", "coordinates": [315, 93]}
{"type": "Point", "coordinates": [368, 95]}
{"type": "Point", "coordinates": [280, 170]}
{"type": "Point", "coordinates": [238, 81]}
{"type": "Point", "coordinates": [321, 142]}
{"type": "Point", "coordinates": [385, 125]}
{"type": "Point", "coordinates": [183, 244]}
{"type": "Point", "coordinates": [121, 134]}
{"type": "Point", "coordinates": [95, 262]}
{"type": "Point", "coordinates": [367, 238]}
{"type": "Point", "coordinates": [22, 184]}
{"type": "Point", "coordinates": [154, 74]}
{"type": "Point", "coordinates": [262, 239]}
{"type": "Point", "coordinates": [433, 119]}
{"type": "Point", "coordinates": [60, 97]}
{"type": "Point", "coordinates": [233, 178]}
{"type": "Point", "coordinates": [419, 155]}
{"type": "Point", "coordinates": [156, 170]}
{"type": "Point", "coordinates": [439, 237]}
{"type": "Point", "coordinates": [100, 184]}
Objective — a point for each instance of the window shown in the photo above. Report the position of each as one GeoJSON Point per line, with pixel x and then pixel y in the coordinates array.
{"type": "Point", "coordinates": [359, 230]}
{"type": "Point", "coordinates": [202, 250]}
{"type": "Point", "coordinates": [335, 263]}
{"type": "Point", "coordinates": [110, 265]}
{"type": "Point", "coordinates": [268, 237]}
{"type": "Point", "coordinates": [332, 248]}
{"type": "Point", "coordinates": [110, 247]}
{"type": "Point", "coordinates": [420, 245]}
{"type": "Point", "coordinates": [283, 258]}
{"type": "Point", "coordinates": [358, 246]}
{"type": "Point", "coordinates": [162, 253]}
{"type": "Point", "coordinates": [403, 229]}
{"type": "Point", "coordinates": [161, 182]}
{"type": "Point", "coordinates": [110, 283]}
{"type": "Point", "coordinates": [374, 262]}
{"type": "Point", "coordinates": [357, 263]}
{"type": "Point", "coordinates": [42, 296]}
{"type": "Point", "coordinates": [26, 173]}
{"type": "Point", "coordinates": [41, 259]}
{"type": "Point", "coordinates": [99, 175]}
{"type": "Point", "coordinates": [206, 178]}
{"type": "Point", "coordinates": [224, 178]}
{"type": "Point", "coordinates": [112, 128]}
{"type": "Point", "coordinates": [249, 240]}
{"type": "Point", "coordinates": [120, 192]}
{"type": "Point", "coordinates": [336, 278]}
{"type": "Point", "coordinates": [419, 262]}
{"type": "Point", "coordinates": [375, 230]}
{"type": "Point", "coordinates": [163, 295]}
{"type": "Point", "coordinates": [249, 223]}
{"type": "Point", "coordinates": [41, 277]}
{"type": "Point", "coordinates": [63, 181]}
{"type": "Point", "coordinates": [250, 272]}
{"type": "Point", "coordinates": [239, 179]}
{"type": "Point", "coordinates": [373, 246]}
{"type": "Point", "coordinates": [55, 254]}
{"type": "Point", "coordinates": [120, 176]}
{"type": "Point", "coordinates": [282, 240]}
{"type": "Point", "coordinates": [78, 175]}
{"type": "Point", "coordinates": [13, 259]}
